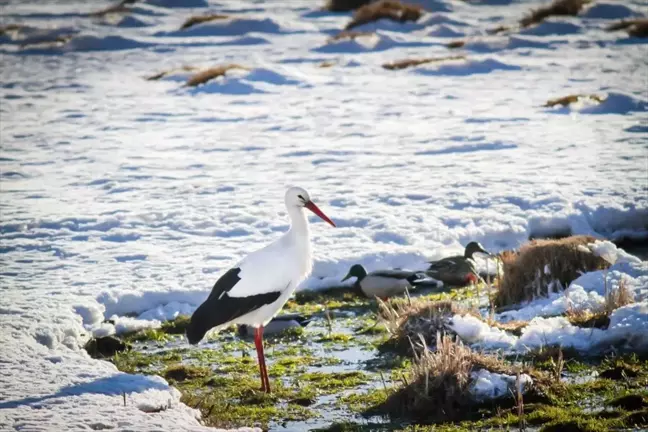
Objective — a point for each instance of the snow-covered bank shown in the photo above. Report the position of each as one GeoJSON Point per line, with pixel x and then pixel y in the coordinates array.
{"type": "Point", "coordinates": [124, 196]}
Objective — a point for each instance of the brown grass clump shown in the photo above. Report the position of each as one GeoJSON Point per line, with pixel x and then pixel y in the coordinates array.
{"type": "Point", "coordinates": [10, 28]}
{"type": "Point", "coordinates": [405, 321]}
{"type": "Point", "coordinates": [568, 100]}
{"type": "Point", "coordinates": [162, 74]}
{"type": "Point", "coordinates": [456, 44]}
{"type": "Point", "coordinates": [557, 8]}
{"type": "Point", "coordinates": [498, 29]}
{"type": "Point", "coordinates": [614, 299]}
{"type": "Point", "coordinates": [345, 5]}
{"type": "Point", "coordinates": [618, 297]}
{"type": "Point", "coordinates": [326, 64]}
{"type": "Point", "coordinates": [211, 73]}
{"type": "Point", "coordinates": [385, 9]}
{"type": "Point", "coordinates": [635, 28]}
{"type": "Point", "coordinates": [199, 19]}
{"type": "Point", "coordinates": [524, 275]}
{"type": "Point", "coordinates": [439, 387]}
{"type": "Point", "coordinates": [117, 8]}
{"type": "Point", "coordinates": [405, 63]}
{"type": "Point", "coordinates": [349, 35]}
{"type": "Point", "coordinates": [513, 327]}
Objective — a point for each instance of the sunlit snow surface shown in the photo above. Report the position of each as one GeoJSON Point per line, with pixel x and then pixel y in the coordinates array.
{"type": "Point", "coordinates": [121, 195]}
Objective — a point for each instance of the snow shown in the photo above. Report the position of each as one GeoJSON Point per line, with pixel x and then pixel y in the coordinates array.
{"type": "Point", "coordinates": [488, 385]}
{"type": "Point", "coordinates": [124, 199]}
{"type": "Point", "coordinates": [476, 332]}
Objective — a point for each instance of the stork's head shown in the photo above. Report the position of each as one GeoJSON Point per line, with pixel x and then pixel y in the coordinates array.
{"type": "Point", "coordinates": [299, 197]}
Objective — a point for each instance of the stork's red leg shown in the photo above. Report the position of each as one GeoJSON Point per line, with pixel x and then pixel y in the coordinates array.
{"type": "Point", "coordinates": [258, 341]}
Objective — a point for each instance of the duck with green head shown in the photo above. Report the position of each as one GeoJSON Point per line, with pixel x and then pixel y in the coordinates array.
{"type": "Point", "coordinates": [457, 270]}
{"type": "Point", "coordinates": [382, 283]}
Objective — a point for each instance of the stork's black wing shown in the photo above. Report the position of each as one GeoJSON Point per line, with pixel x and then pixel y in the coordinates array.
{"type": "Point", "coordinates": [220, 308]}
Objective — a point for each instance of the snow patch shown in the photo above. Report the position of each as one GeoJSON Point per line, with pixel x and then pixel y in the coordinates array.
{"type": "Point", "coordinates": [489, 385]}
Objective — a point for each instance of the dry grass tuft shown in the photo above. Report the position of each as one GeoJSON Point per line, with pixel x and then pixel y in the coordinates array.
{"type": "Point", "coordinates": [456, 44]}
{"type": "Point", "coordinates": [162, 74]}
{"type": "Point", "coordinates": [405, 321]}
{"type": "Point", "coordinates": [326, 64]}
{"type": "Point", "coordinates": [345, 5]}
{"type": "Point", "coordinates": [211, 73]}
{"type": "Point", "coordinates": [498, 29]}
{"type": "Point", "coordinates": [587, 318]}
{"type": "Point", "coordinates": [614, 299]}
{"type": "Point", "coordinates": [618, 297]}
{"type": "Point", "coordinates": [117, 8]}
{"type": "Point", "coordinates": [568, 100]}
{"type": "Point", "coordinates": [199, 19]}
{"type": "Point", "coordinates": [349, 35]}
{"type": "Point", "coordinates": [635, 28]}
{"type": "Point", "coordinates": [385, 9]}
{"type": "Point", "coordinates": [406, 63]}
{"type": "Point", "coordinates": [513, 327]}
{"type": "Point", "coordinates": [10, 28]}
{"type": "Point", "coordinates": [557, 8]}
{"type": "Point", "coordinates": [525, 275]}
{"type": "Point", "coordinates": [440, 382]}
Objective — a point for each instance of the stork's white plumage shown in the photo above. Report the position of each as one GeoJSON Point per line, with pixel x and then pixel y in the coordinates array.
{"type": "Point", "coordinates": [255, 290]}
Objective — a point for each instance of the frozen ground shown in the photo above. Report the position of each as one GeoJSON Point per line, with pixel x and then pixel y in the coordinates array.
{"type": "Point", "coordinates": [122, 196]}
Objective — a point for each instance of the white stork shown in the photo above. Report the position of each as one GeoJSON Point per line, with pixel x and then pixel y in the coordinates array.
{"type": "Point", "coordinates": [256, 289]}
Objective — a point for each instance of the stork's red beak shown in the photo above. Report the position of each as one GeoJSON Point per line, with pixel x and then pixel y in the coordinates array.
{"type": "Point", "coordinates": [310, 205]}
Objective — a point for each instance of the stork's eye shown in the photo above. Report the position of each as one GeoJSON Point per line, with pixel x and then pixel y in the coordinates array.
{"type": "Point", "coordinates": [301, 198]}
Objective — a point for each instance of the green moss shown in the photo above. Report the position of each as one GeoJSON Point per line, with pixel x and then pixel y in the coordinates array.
{"type": "Point", "coordinates": [362, 402]}
{"type": "Point", "coordinates": [630, 402]}
{"type": "Point", "coordinates": [235, 401]}
{"type": "Point", "coordinates": [334, 381]}
{"type": "Point", "coordinates": [150, 334]}
{"type": "Point", "coordinates": [176, 326]}
{"type": "Point", "coordinates": [183, 372]}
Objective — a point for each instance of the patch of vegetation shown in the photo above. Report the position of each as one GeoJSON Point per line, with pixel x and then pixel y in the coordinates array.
{"type": "Point", "coordinates": [525, 274]}
{"type": "Point", "coordinates": [392, 10]}
{"type": "Point", "coordinates": [456, 44]}
{"type": "Point", "coordinates": [362, 402]}
{"type": "Point", "coordinates": [199, 19]}
{"type": "Point", "coordinates": [176, 326]}
{"type": "Point", "coordinates": [629, 402]}
{"type": "Point", "coordinates": [557, 8]}
{"type": "Point", "coordinates": [212, 73]}
{"type": "Point", "coordinates": [105, 347]}
{"type": "Point", "coordinates": [407, 321]}
{"type": "Point", "coordinates": [183, 372]}
{"type": "Point", "coordinates": [349, 35]}
{"type": "Point", "coordinates": [345, 5]}
{"type": "Point", "coordinates": [571, 99]}
{"type": "Point", "coordinates": [334, 381]}
{"type": "Point", "coordinates": [406, 63]}
{"type": "Point", "coordinates": [117, 8]}
{"type": "Point", "coordinates": [437, 388]}
{"type": "Point", "coordinates": [634, 28]}
{"type": "Point", "coordinates": [166, 73]}
{"type": "Point", "coordinates": [132, 361]}
{"type": "Point", "coordinates": [147, 335]}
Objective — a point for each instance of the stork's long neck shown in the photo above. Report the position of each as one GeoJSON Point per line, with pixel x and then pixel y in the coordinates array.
{"type": "Point", "coordinates": [298, 225]}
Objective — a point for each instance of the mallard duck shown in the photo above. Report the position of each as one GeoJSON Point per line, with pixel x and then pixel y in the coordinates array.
{"type": "Point", "coordinates": [384, 283]}
{"type": "Point", "coordinates": [457, 270]}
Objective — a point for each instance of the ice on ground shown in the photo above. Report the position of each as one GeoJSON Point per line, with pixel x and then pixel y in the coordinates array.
{"type": "Point", "coordinates": [488, 385]}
